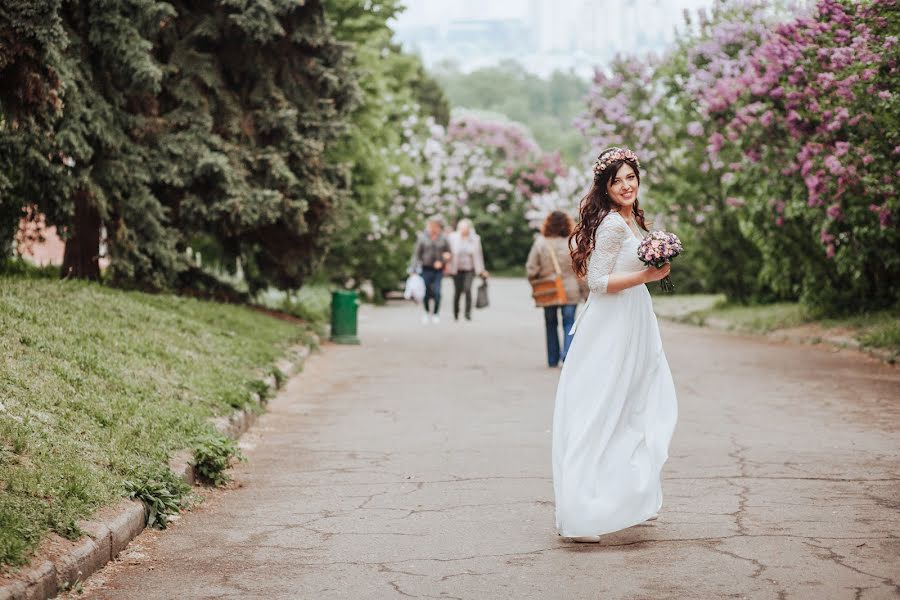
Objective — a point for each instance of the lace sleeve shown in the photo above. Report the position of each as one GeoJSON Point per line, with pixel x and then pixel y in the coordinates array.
{"type": "Point", "coordinates": [607, 243]}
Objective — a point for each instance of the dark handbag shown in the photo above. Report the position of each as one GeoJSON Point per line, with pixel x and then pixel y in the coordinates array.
{"type": "Point", "coordinates": [481, 298]}
{"type": "Point", "coordinates": [550, 291]}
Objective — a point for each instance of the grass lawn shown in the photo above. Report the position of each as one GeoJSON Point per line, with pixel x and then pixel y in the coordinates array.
{"type": "Point", "coordinates": [871, 330]}
{"type": "Point", "coordinates": [99, 386]}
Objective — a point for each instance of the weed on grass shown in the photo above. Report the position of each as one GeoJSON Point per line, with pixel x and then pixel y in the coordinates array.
{"type": "Point", "coordinates": [213, 455]}
{"type": "Point", "coordinates": [164, 495]}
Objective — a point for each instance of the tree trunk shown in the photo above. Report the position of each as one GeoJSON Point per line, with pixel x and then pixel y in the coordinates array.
{"type": "Point", "coordinates": [81, 259]}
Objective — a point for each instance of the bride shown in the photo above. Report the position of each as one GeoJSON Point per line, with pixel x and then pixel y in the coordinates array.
{"type": "Point", "coordinates": [615, 405]}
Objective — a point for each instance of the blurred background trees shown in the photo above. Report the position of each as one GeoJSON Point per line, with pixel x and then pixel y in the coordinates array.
{"type": "Point", "coordinates": [282, 141]}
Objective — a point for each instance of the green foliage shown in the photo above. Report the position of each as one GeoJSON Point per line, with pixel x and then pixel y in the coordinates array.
{"type": "Point", "coordinates": [31, 36]}
{"type": "Point", "coordinates": [176, 120]}
{"type": "Point", "coordinates": [311, 303]}
{"type": "Point", "coordinates": [883, 335]}
{"type": "Point", "coordinates": [100, 386]}
{"type": "Point", "coordinates": [252, 95]}
{"type": "Point", "coordinates": [164, 495]}
{"type": "Point", "coordinates": [505, 237]}
{"type": "Point", "coordinates": [17, 267]}
{"type": "Point", "coordinates": [761, 318]}
{"type": "Point", "coordinates": [213, 455]}
{"type": "Point", "coordinates": [880, 329]}
{"type": "Point", "coordinates": [280, 377]}
{"type": "Point", "coordinates": [77, 163]}
{"type": "Point", "coordinates": [548, 106]}
{"type": "Point", "coordinates": [260, 388]}
{"type": "Point", "coordinates": [394, 87]}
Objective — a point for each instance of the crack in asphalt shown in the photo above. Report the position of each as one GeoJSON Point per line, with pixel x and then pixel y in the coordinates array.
{"type": "Point", "coordinates": [839, 559]}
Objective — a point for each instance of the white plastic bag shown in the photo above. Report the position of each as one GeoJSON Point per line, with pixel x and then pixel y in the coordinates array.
{"type": "Point", "coordinates": [415, 288]}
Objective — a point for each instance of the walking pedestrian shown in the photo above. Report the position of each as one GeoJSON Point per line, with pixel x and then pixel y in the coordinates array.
{"type": "Point", "coordinates": [615, 407]}
{"type": "Point", "coordinates": [467, 260]}
{"type": "Point", "coordinates": [549, 258]}
{"type": "Point", "coordinates": [430, 256]}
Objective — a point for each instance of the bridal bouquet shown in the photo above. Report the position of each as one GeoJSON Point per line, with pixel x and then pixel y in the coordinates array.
{"type": "Point", "coordinates": [658, 248]}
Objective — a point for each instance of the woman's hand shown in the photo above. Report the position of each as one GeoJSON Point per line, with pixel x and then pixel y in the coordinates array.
{"type": "Point", "coordinates": [654, 274]}
{"type": "Point", "coordinates": [438, 265]}
{"type": "Point", "coordinates": [485, 274]}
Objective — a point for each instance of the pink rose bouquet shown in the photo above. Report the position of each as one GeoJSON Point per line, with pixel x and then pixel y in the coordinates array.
{"type": "Point", "coordinates": [657, 249]}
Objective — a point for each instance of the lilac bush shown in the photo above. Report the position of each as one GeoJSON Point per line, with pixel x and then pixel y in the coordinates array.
{"type": "Point", "coordinates": [489, 170]}
{"type": "Point", "coordinates": [773, 144]}
{"type": "Point", "coordinates": [810, 130]}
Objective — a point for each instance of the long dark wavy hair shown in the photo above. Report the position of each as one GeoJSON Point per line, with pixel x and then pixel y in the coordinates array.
{"type": "Point", "coordinates": [594, 208]}
{"type": "Point", "coordinates": [557, 224]}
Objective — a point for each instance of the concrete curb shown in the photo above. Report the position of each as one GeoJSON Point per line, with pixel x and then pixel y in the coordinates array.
{"type": "Point", "coordinates": [106, 537]}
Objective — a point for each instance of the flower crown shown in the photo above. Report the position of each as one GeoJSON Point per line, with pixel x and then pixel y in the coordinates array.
{"type": "Point", "coordinates": [611, 155]}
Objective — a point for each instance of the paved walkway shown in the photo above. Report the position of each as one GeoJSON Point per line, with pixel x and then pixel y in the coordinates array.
{"type": "Point", "coordinates": [417, 466]}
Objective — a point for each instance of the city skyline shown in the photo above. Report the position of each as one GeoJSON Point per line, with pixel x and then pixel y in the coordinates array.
{"type": "Point", "coordinates": [543, 35]}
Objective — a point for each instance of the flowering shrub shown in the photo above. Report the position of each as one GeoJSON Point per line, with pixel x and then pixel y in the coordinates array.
{"type": "Point", "coordinates": [623, 108]}
{"type": "Point", "coordinates": [507, 141]}
{"type": "Point", "coordinates": [568, 188]}
{"type": "Point", "coordinates": [820, 201]}
{"type": "Point", "coordinates": [772, 146]}
{"type": "Point", "coordinates": [487, 170]}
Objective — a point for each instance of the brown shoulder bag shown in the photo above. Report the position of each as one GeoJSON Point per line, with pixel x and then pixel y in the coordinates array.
{"type": "Point", "coordinates": [549, 291]}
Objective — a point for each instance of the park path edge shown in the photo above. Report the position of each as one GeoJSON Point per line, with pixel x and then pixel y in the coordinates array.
{"type": "Point", "coordinates": [113, 528]}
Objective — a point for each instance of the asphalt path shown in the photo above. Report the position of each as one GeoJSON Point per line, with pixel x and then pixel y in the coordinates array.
{"type": "Point", "coordinates": [417, 465]}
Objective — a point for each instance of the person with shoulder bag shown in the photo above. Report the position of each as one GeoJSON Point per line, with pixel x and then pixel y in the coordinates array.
{"type": "Point", "coordinates": [555, 287]}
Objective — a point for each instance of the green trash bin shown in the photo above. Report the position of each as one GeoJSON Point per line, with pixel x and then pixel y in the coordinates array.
{"type": "Point", "coordinates": [343, 317]}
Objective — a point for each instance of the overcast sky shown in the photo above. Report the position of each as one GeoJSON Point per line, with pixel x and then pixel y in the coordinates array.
{"type": "Point", "coordinates": [542, 34]}
{"type": "Point", "coordinates": [431, 12]}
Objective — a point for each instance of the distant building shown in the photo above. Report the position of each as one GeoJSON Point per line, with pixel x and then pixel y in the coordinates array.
{"type": "Point", "coordinates": [39, 244]}
{"type": "Point", "coordinates": [544, 35]}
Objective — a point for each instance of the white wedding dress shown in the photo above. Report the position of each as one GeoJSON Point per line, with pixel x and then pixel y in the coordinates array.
{"type": "Point", "coordinates": [615, 405]}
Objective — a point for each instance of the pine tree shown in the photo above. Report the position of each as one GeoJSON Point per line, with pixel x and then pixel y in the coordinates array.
{"type": "Point", "coordinates": [83, 169]}
{"type": "Point", "coordinates": [157, 122]}
{"type": "Point", "coordinates": [253, 94]}
{"type": "Point", "coordinates": [31, 39]}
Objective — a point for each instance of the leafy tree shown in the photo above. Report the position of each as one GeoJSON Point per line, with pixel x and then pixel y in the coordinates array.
{"type": "Point", "coordinates": [548, 106]}
{"type": "Point", "coordinates": [31, 39]}
{"type": "Point", "coordinates": [396, 93]}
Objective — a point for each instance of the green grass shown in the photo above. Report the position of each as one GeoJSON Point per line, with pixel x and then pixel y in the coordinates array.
{"type": "Point", "coordinates": [877, 330]}
{"type": "Point", "coordinates": [681, 306]}
{"type": "Point", "coordinates": [872, 330]}
{"type": "Point", "coordinates": [755, 319]}
{"type": "Point", "coordinates": [99, 387]}
{"type": "Point", "coordinates": [312, 303]}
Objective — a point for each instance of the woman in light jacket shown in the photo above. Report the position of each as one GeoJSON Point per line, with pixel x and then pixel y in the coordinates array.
{"type": "Point", "coordinates": [466, 260]}
{"type": "Point", "coordinates": [554, 238]}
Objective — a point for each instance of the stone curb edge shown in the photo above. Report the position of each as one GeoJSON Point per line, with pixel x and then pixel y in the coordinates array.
{"type": "Point", "coordinates": [108, 536]}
